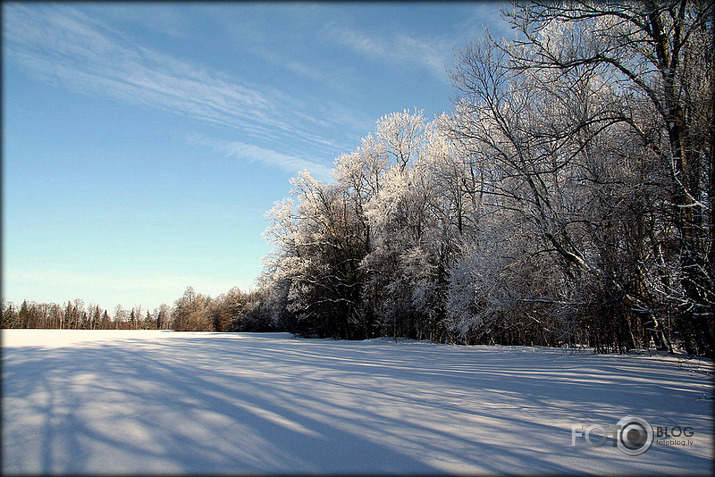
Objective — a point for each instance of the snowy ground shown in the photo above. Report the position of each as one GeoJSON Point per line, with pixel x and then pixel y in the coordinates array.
{"type": "Point", "coordinates": [158, 401]}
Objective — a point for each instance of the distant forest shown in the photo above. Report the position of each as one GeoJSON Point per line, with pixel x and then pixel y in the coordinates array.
{"type": "Point", "coordinates": [231, 311]}
{"type": "Point", "coordinates": [566, 200]}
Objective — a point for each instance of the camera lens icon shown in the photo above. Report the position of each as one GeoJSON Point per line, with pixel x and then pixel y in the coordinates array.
{"type": "Point", "coordinates": [635, 435]}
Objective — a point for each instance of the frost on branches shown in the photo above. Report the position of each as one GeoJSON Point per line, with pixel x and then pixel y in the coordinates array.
{"type": "Point", "coordinates": [565, 200]}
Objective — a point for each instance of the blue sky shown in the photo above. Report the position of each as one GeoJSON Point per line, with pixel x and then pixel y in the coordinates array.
{"type": "Point", "coordinates": [143, 143]}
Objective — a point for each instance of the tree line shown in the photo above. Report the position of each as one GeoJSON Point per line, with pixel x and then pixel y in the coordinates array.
{"type": "Point", "coordinates": [231, 311]}
{"type": "Point", "coordinates": [565, 200]}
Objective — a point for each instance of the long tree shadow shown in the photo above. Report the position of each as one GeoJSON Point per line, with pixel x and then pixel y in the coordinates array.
{"type": "Point", "coordinates": [266, 404]}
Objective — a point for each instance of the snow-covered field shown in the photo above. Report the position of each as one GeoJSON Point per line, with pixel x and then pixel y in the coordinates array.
{"type": "Point", "coordinates": [166, 402]}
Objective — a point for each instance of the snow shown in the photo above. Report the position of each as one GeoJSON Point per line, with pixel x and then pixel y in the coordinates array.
{"type": "Point", "coordinates": [168, 402]}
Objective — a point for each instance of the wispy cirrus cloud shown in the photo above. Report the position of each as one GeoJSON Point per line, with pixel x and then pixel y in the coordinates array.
{"type": "Point", "coordinates": [432, 53]}
{"type": "Point", "coordinates": [252, 153]}
{"type": "Point", "coordinates": [400, 49]}
{"type": "Point", "coordinates": [63, 46]}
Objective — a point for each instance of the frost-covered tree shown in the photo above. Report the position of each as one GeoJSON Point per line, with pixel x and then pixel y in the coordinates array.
{"type": "Point", "coordinates": [566, 199]}
{"type": "Point", "coordinates": [582, 122]}
{"type": "Point", "coordinates": [191, 312]}
{"type": "Point", "coordinates": [319, 247]}
{"type": "Point", "coordinates": [405, 267]}
{"type": "Point", "coordinates": [660, 59]}
{"type": "Point", "coordinates": [336, 244]}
